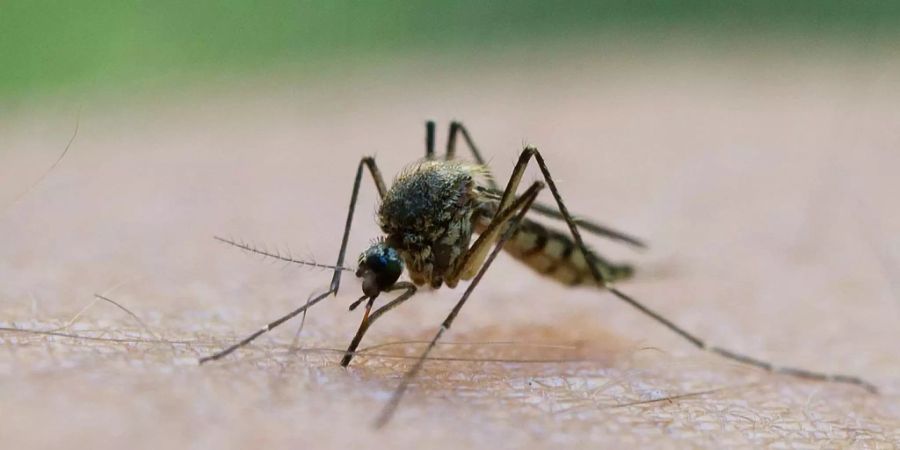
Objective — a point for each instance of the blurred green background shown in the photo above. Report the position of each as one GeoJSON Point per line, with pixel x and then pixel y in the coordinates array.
{"type": "Point", "coordinates": [58, 47]}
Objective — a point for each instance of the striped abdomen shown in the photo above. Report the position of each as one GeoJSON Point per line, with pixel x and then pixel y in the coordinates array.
{"type": "Point", "coordinates": [555, 254]}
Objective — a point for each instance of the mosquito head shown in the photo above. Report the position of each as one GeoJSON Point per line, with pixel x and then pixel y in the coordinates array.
{"type": "Point", "coordinates": [379, 266]}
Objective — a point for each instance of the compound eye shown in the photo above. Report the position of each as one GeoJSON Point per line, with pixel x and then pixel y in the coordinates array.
{"type": "Point", "coordinates": [387, 265]}
{"type": "Point", "coordinates": [380, 267]}
{"type": "Point", "coordinates": [377, 262]}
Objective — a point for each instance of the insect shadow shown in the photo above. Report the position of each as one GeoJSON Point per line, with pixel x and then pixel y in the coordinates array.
{"type": "Point", "coordinates": [430, 216]}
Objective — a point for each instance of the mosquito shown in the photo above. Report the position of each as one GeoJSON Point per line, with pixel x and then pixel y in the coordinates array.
{"type": "Point", "coordinates": [430, 217]}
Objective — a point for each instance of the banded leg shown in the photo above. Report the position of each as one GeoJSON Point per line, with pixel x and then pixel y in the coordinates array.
{"type": "Point", "coordinates": [369, 319]}
{"type": "Point", "coordinates": [506, 219]}
{"type": "Point", "coordinates": [365, 162]}
{"type": "Point", "coordinates": [457, 128]}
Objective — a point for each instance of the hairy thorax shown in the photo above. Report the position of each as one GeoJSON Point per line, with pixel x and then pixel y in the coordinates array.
{"type": "Point", "coordinates": [427, 215]}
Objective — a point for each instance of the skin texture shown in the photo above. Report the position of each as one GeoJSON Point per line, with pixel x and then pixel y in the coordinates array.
{"type": "Point", "coordinates": [767, 194]}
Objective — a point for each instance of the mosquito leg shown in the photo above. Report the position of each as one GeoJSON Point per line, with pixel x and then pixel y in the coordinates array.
{"type": "Point", "coordinates": [476, 254]}
{"type": "Point", "coordinates": [590, 226]}
{"type": "Point", "coordinates": [522, 204]}
{"type": "Point", "coordinates": [429, 140]}
{"type": "Point", "coordinates": [265, 329]}
{"type": "Point", "coordinates": [696, 341]}
{"type": "Point", "coordinates": [363, 327]}
{"type": "Point", "coordinates": [366, 162]}
{"type": "Point", "coordinates": [369, 319]}
{"type": "Point", "coordinates": [583, 224]}
{"type": "Point", "coordinates": [457, 128]}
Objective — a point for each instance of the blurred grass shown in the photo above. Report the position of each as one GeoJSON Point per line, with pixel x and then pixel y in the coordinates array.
{"type": "Point", "coordinates": [50, 47]}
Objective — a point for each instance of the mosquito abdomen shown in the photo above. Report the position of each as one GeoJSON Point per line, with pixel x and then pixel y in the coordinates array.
{"type": "Point", "coordinates": [555, 254]}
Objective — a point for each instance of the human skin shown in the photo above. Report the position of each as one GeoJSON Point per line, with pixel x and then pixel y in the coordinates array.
{"type": "Point", "coordinates": [767, 234]}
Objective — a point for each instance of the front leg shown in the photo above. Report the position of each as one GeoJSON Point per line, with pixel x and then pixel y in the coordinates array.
{"type": "Point", "coordinates": [369, 319]}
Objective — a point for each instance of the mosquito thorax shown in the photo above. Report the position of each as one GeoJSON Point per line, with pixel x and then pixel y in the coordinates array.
{"type": "Point", "coordinates": [427, 216]}
{"type": "Point", "coordinates": [379, 267]}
